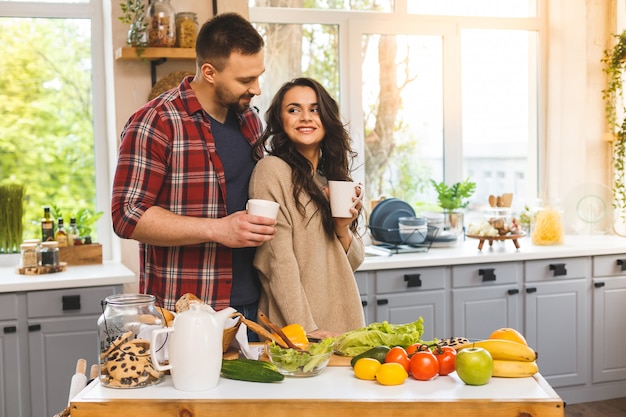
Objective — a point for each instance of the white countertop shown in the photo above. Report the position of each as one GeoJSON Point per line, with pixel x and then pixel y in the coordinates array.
{"type": "Point", "coordinates": [466, 252]}
{"type": "Point", "coordinates": [107, 273]}
{"type": "Point", "coordinates": [335, 383]}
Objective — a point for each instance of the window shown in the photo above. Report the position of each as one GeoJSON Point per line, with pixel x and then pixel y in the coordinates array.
{"type": "Point", "coordinates": [440, 90]}
{"type": "Point", "coordinates": [52, 128]}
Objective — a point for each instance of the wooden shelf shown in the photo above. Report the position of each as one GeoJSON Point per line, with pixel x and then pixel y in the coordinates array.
{"type": "Point", "coordinates": [128, 53]}
{"type": "Point", "coordinates": [156, 56]}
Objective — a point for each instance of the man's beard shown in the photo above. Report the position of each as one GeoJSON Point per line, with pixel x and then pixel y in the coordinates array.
{"type": "Point", "coordinates": [229, 101]}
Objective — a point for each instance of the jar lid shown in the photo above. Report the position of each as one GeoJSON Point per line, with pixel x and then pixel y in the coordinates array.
{"type": "Point", "coordinates": [50, 244]}
{"type": "Point", "coordinates": [35, 241]}
{"type": "Point", "coordinates": [28, 246]}
{"type": "Point", "coordinates": [186, 14]}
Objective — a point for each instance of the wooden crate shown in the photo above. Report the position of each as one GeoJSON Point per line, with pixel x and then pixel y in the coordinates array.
{"type": "Point", "coordinates": [81, 254]}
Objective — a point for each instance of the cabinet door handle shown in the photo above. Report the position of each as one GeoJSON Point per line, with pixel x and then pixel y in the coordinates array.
{"type": "Point", "coordinates": [599, 284]}
{"type": "Point", "coordinates": [513, 291]}
{"type": "Point", "coordinates": [34, 327]}
{"type": "Point", "coordinates": [487, 274]}
{"type": "Point", "coordinates": [413, 280]}
{"type": "Point", "coordinates": [382, 302]}
{"type": "Point", "coordinates": [364, 303]}
{"type": "Point", "coordinates": [71, 302]}
{"type": "Point", "coordinates": [621, 263]}
{"type": "Point", "coordinates": [10, 329]}
{"type": "Point", "coordinates": [559, 269]}
{"type": "Point", "coordinates": [531, 290]}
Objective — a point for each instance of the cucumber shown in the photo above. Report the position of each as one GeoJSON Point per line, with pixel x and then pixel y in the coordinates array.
{"type": "Point", "coordinates": [379, 353]}
{"type": "Point", "coordinates": [251, 370]}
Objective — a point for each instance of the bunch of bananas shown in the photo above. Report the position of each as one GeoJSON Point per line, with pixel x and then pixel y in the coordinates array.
{"type": "Point", "coordinates": [511, 359]}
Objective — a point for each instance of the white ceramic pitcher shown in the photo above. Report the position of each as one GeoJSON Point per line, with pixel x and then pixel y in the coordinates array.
{"type": "Point", "coordinates": [194, 347]}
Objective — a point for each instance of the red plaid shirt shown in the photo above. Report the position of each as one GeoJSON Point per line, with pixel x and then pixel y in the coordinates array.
{"type": "Point", "coordinates": [167, 158]}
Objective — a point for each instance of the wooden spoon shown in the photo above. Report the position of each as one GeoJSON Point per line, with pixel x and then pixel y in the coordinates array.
{"type": "Point", "coordinates": [492, 200]}
{"type": "Point", "coordinates": [276, 329]}
{"type": "Point", "coordinates": [507, 199]}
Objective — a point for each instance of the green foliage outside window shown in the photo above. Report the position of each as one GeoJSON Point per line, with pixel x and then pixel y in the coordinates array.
{"type": "Point", "coordinates": [46, 128]}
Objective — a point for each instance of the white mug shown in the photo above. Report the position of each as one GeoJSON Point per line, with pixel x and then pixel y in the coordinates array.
{"type": "Point", "coordinates": [264, 208]}
{"type": "Point", "coordinates": [341, 193]}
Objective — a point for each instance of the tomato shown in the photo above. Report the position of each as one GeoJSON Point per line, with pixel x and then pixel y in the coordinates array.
{"type": "Point", "coordinates": [397, 354]}
{"type": "Point", "coordinates": [424, 365]}
{"type": "Point", "coordinates": [365, 368]}
{"type": "Point", "coordinates": [413, 348]}
{"type": "Point", "coordinates": [446, 356]}
{"type": "Point", "coordinates": [391, 373]}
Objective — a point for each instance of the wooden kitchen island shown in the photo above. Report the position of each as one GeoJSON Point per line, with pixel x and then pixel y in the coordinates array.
{"type": "Point", "coordinates": [335, 392]}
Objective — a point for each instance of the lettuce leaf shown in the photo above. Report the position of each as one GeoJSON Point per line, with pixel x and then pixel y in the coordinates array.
{"type": "Point", "coordinates": [383, 333]}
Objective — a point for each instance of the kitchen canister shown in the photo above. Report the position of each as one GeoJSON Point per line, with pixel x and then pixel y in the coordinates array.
{"type": "Point", "coordinates": [546, 223]}
{"type": "Point", "coordinates": [161, 24]}
{"type": "Point", "coordinates": [124, 333]}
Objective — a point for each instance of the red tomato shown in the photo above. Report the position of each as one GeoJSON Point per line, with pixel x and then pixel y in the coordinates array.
{"type": "Point", "coordinates": [397, 354]}
{"type": "Point", "coordinates": [424, 365]}
{"type": "Point", "coordinates": [446, 356]}
{"type": "Point", "coordinates": [413, 348]}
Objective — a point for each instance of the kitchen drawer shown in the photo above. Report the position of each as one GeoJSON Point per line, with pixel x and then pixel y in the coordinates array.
{"type": "Point", "coordinates": [411, 279]}
{"type": "Point", "coordinates": [8, 306]}
{"type": "Point", "coordinates": [67, 301]}
{"type": "Point", "coordinates": [475, 275]}
{"type": "Point", "coordinates": [557, 269]}
{"type": "Point", "coordinates": [609, 265]}
{"type": "Point", "coordinates": [361, 282]}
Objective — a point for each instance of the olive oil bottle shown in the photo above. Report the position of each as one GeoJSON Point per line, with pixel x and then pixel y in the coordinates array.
{"type": "Point", "coordinates": [47, 226]}
{"type": "Point", "coordinates": [61, 235]}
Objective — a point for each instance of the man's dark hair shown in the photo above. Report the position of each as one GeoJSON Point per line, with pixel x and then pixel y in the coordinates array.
{"type": "Point", "coordinates": [224, 34]}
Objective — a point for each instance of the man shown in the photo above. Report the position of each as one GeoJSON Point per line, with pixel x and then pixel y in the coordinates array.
{"type": "Point", "coordinates": [181, 182]}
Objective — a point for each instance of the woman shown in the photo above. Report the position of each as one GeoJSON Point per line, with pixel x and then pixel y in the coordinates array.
{"type": "Point", "coordinates": [307, 271]}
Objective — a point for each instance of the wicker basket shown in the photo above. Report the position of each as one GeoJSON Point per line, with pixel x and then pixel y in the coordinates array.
{"type": "Point", "coordinates": [229, 334]}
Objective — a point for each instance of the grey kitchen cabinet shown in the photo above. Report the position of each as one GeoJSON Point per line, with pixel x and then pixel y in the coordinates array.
{"type": "Point", "coordinates": [608, 318]}
{"type": "Point", "coordinates": [12, 387]}
{"type": "Point", "coordinates": [557, 314]}
{"type": "Point", "coordinates": [404, 295]}
{"type": "Point", "coordinates": [52, 331]}
{"type": "Point", "coordinates": [486, 297]}
{"type": "Point", "coordinates": [365, 290]}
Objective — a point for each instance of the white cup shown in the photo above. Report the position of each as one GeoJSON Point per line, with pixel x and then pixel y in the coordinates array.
{"type": "Point", "coordinates": [341, 193]}
{"type": "Point", "coordinates": [264, 208]}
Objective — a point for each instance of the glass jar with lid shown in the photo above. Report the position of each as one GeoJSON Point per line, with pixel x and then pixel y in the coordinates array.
{"type": "Point", "coordinates": [186, 29]}
{"type": "Point", "coordinates": [546, 223]}
{"type": "Point", "coordinates": [124, 332]}
{"type": "Point", "coordinates": [161, 24]}
{"type": "Point", "coordinates": [50, 253]}
{"type": "Point", "coordinates": [29, 255]}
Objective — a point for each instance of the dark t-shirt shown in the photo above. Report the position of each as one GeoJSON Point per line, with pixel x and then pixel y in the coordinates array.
{"type": "Point", "coordinates": [236, 155]}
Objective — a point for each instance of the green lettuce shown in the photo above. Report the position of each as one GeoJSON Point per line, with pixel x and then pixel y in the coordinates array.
{"type": "Point", "coordinates": [292, 360]}
{"type": "Point", "coordinates": [358, 341]}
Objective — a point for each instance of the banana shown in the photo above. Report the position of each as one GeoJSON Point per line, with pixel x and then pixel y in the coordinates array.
{"type": "Point", "coordinates": [501, 349]}
{"type": "Point", "coordinates": [514, 369]}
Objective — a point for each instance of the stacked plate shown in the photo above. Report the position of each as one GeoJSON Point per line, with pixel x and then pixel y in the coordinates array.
{"type": "Point", "coordinates": [384, 219]}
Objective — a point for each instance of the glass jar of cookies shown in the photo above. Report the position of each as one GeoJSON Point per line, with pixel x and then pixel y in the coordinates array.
{"type": "Point", "coordinates": [161, 24]}
{"type": "Point", "coordinates": [124, 332]}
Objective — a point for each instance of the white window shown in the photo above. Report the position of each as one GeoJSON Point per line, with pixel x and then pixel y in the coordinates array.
{"type": "Point", "coordinates": [53, 124]}
{"type": "Point", "coordinates": [444, 89]}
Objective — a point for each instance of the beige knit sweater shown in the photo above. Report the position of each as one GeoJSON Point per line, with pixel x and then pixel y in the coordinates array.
{"type": "Point", "coordinates": [307, 277]}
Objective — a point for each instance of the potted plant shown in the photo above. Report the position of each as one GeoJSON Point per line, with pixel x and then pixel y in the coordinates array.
{"type": "Point", "coordinates": [614, 61]}
{"type": "Point", "coordinates": [134, 12]}
{"type": "Point", "coordinates": [453, 199]}
{"type": "Point", "coordinates": [11, 217]}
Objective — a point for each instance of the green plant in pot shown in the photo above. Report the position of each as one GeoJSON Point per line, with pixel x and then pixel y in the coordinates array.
{"type": "Point", "coordinates": [134, 12]}
{"type": "Point", "coordinates": [453, 199]}
{"type": "Point", "coordinates": [11, 217]}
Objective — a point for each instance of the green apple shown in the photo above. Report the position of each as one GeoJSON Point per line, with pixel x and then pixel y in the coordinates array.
{"type": "Point", "coordinates": [474, 365]}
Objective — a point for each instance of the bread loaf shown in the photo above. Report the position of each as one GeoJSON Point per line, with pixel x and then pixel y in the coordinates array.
{"type": "Point", "coordinates": [183, 302]}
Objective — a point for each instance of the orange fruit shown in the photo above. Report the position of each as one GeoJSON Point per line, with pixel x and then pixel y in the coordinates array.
{"type": "Point", "coordinates": [297, 335]}
{"type": "Point", "coordinates": [508, 333]}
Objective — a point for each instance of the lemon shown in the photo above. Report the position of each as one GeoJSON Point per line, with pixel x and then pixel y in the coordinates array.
{"type": "Point", "coordinates": [365, 368]}
{"type": "Point", "coordinates": [391, 373]}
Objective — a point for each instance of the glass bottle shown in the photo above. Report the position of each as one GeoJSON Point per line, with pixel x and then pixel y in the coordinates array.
{"type": "Point", "coordinates": [47, 226]}
{"type": "Point", "coordinates": [124, 332]}
{"type": "Point", "coordinates": [186, 29]}
{"type": "Point", "coordinates": [50, 253]}
{"type": "Point", "coordinates": [161, 24]}
{"type": "Point", "coordinates": [61, 235]}
{"type": "Point", "coordinates": [546, 223]}
{"type": "Point", "coordinates": [72, 232]}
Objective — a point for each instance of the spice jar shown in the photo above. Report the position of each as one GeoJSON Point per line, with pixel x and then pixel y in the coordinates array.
{"type": "Point", "coordinates": [186, 29]}
{"type": "Point", "coordinates": [50, 253]}
{"type": "Point", "coordinates": [546, 223]}
{"type": "Point", "coordinates": [29, 255]}
{"type": "Point", "coordinates": [161, 24]}
{"type": "Point", "coordinates": [124, 332]}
